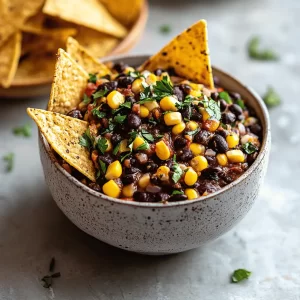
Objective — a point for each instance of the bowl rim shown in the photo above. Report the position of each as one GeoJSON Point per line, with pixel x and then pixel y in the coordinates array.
{"type": "Point", "coordinates": [266, 140]}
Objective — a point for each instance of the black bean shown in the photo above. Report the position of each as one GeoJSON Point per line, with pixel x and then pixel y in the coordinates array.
{"type": "Point", "coordinates": [134, 121]}
{"type": "Point", "coordinates": [95, 186]}
{"type": "Point", "coordinates": [235, 96]}
{"type": "Point", "coordinates": [161, 197]}
{"type": "Point", "coordinates": [178, 93]}
{"type": "Point", "coordinates": [129, 178]}
{"type": "Point", "coordinates": [123, 82]}
{"type": "Point", "coordinates": [223, 105]}
{"type": "Point", "coordinates": [132, 170]}
{"type": "Point", "coordinates": [75, 113]}
{"type": "Point", "coordinates": [151, 167]}
{"type": "Point", "coordinates": [141, 197]}
{"type": "Point", "coordinates": [158, 72]}
{"type": "Point", "coordinates": [129, 99]}
{"type": "Point", "coordinates": [251, 158]}
{"type": "Point", "coordinates": [207, 186]}
{"type": "Point", "coordinates": [196, 116]}
{"type": "Point", "coordinates": [115, 139]}
{"type": "Point", "coordinates": [211, 159]}
{"type": "Point", "coordinates": [215, 96]}
{"type": "Point", "coordinates": [154, 179]}
{"type": "Point", "coordinates": [171, 71]}
{"type": "Point", "coordinates": [109, 86]}
{"type": "Point", "coordinates": [202, 137]}
{"type": "Point", "coordinates": [228, 118]}
{"type": "Point", "coordinates": [218, 144]}
{"type": "Point", "coordinates": [236, 109]}
{"type": "Point", "coordinates": [222, 132]}
{"type": "Point", "coordinates": [180, 142]}
{"type": "Point", "coordinates": [106, 158]}
{"type": "Point", "coordinates": [186, 155]}
{"type": "Point", "coordinates": [177, 198]}
{"type": "Point", "coordinates": [256, 129]}
{"type": "Point", "coordinates": [186, 113]}
{"type": "Point", "coordinates": [120, 67]}
{"type": "Point", "coordinates": [185, 89]}
{"type": "Point", "coordinates": [211, 173]}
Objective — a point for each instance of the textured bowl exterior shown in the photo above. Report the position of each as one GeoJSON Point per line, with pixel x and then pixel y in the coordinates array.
{"type": "Point", "coordinates": [154, 228]}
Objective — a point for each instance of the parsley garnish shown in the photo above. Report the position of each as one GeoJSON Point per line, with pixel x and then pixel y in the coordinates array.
{"type": "Point", "coordinates": [145, 96]}
{"type": "Point", "coordinates": [142, 147]}
{"type": "Point", "coordinates": [177, 172]}
{"type": "Point", "coordinates": [152, 121]}
{"type": "Point", "coordinates": [86, 140]}
{"type": "Point", "coordinates": [97, 113]}
{"type": "Point", "coordinates": [102, 145]}
{"type": "Point", "coordinates": [212, 108]}
{"type": "Point", "coordinates": [24, 130]}
{"type": "Point", "coordinates": [9, 159]}
{"type": "Point", "coordinates": [193, 132]}
{"type": "Point", "coordinates": [111, 127]}
{"type": "Point", "coordinates": [225, 96]}
{"type": "Point", "coordinates": [255, 53]}
{"type": "Point", "coordinates": [116, 149]}
{"type": "Point", "coordinates": [122, 106]}
{"type": "Point", "coordinates": [271, 98]}
{"type": "Point", "coordinates": [86, 99]}
{"type": "Point", "coordinates": [135, 74]}
{"type": "Point", "coordinates": [239, 275]}
{"type": "Point", "coordinates": [147, 135]}
{"type": "Point", "coordinates": [176, 192]}
{"type": "Point", "coordinates": [240, 103]}
{"type": "Point", "coordinates": [165, 29]}
{"type": "Point", "coordinates": [163, 88]}
{"type": "Point", "coordinates": [100, 93]}
{"type": "Point", "coordinates": [249, 148]}
{"type": "Point", "coordinates": [93, 78]}
{"type": "Point", "coordinates": [102, 166]}
{"type": "Point", "coordinates": [186, 103]}
{"type": "Point", "coordinates": [120, 119]}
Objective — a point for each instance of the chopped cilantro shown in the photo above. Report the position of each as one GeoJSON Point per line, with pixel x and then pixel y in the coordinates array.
{"type": "Point", "coordinates": [146, 96]}
{"type": "Point", "coordinates": [102, 145]}
{"type": "Point", "coordinates": [163, 88]}
{"type": "Point", "coordinates": [177, 172]}
{"type": "Point", "coordinates": [126, 105]}
{"type": "Point", "coordinates": [120, 119]}
{"type": "Point", "coordinates": [147, 135]}
{"type": "Point", "coordinates": [135, 74]}
{"type": "Point", "coordinates": [9, 159]}
{"type": "Point", "coordinates": [100, 93]}
{"type": "Point", "coordinates": [249, 148]}
{"type": "Point", "coordinates": [212, 107]}
{"type": "Point", "coordinates": [186, 103]}
{"type": "Point", "coordinates": [239, 275]}
{"type": "Point", "coordinates": [142, 147]}
{"type": "Point", "coordinates": [165, 29]}
{"type": "Point", "coordinates": [24, 130]}
{"type": "Point", "coordinates": [255, 53]}
{"type": "Point", "coordinates": [86, 140]}
{"type": "Point", "coordinates": [86, 99]}
{"type": "Point", "coordinates": [152, 121]}
{"type": "Point", "coordinates": [125, 156]}
{"type": "Point", "coordinates": [176, 192]}
{"type": "Point", "coordinates": [116, 149]}
{"type": "Point", "coordinates": [97, 113]}
{"type": "Point", "coordinates": [240, 103]}
{"type": "Point", "coordinates": [225, 96]}
{"type": "Point", "coordinates": [102, 166]}
{"type": "Point", "coordinates": [271, 98]}
{"type": "Point", "coordinates": [111, 127]}
{"type": "Point", "coordinates": [93, 78]}
{"type": "Point", "coordinates": [192, 132]}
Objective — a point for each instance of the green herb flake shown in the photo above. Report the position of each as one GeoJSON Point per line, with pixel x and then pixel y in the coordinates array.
{"type": "Point", "coordinates": [225, 96]}
{"type": "Point", "coordinates": [93, 78]}
{"type": "Point", "coordinates": [144, 146]}
{"type": "Point", "coordinates": [125, 156]}
{"type": "Point", "coordinates": [9, 159]}
{"type": "Point", "coordinates": [147, 135]}
{"type": "Point", "coordinates": [135, 74]}
{"type": "Point", "coordinates": [97, 113]}
{"type": "Point", "coordinates": [24, 130]}
{"type": "Point", "coordinates": [239, 275]}
{"type": "Point", "coordinates": [186, 103]}
{"type": "Point", "coordinates": [163, 88]}
{"type": "Point", "coordinates": [192, 132]}
{"type": "Point", "coordinates": [102, 167]}
{"type": "Point", "coordinates": [86, 140]}
{"type": "Point", "coordinates": [102, 145]}
{"type": "Point", "coordinates": [116, 149]}
{"type": "Point", "coordinates": [212, 108]}
{"type": "Point", "coordinates": [111, 127]}
{"type": "Point", "coordinates": [249, 148]}
{"type": "Point", "coordinates": [271, 98]}
{"type": "Point", "coordinates": [100, 93]}
{"type": "Point", "coordinates": [120, 119]}
{"type": "Point", "coordinates": [177, 172]}
{"type": "Point", "coordinates": [176, 192]}
{"type": "Point", "coordinates": [255, 53]}
{"type": "Point", "coordinates": [146, 95]}
{"type": "Point", "coordinates": [240, 103]}
{"type": "Point", "coordinates": [126, 105]}
{"type": "Point", "coordinates": [86, 99]}
{"type": "Point", "coordinates": [152, 121]}
{"type": "Point", "coordinates": [165, 29]}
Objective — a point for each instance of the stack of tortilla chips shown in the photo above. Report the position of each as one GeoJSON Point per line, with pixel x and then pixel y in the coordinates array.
{"type": "Point", "coordinates": [32, 30]}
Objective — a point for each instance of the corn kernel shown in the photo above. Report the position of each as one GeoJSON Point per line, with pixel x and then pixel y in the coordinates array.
{"type": "Point", "coordinates": [205, 114]}
{"type": "Point", "coordinates": [114, 170]}
{"type": "Point", "coordinates": [123, 146]}
{"type": "Point", "coordinates": [144, 181]}
{"type": "Point", "coordinates": [162, 150]}
{"type": "Point", "coordinates": [128, 70]}
{"type": "Point", "coordinates": [172, 118]}
{"type": "Point", "coordinates": [111, 189]}
{"type": "Point", "coordinates": [163, 173]}
{"type": "Point", "coordinates": [151, 79]}
{"type": "Point", "coordinates": [199, 163]}
{"type": "Point", "coordinates": [196, 86]}
{"type": "Point", "coordinates": [190, 177]}
{"type": "Point", "coordinates": [151, 105]}
{"type": "Point", "coordinates": [195, 93]}
{"type": "Point", "coordinates": [177, 129]}
{"type": "Point", "coordinates": [168, 103]}
{"type": "Point", "coordinates": [138, 141]}
{"type": "Point", "coordinates": [164, 74]}
{"type": "Point", "coordinates": [115, 99]}
{"type": "Point", "coordinates": [137, 85]}
{"type": "Point", "coordinates": [232, 140]}
{"type": "Point", "coordinates": [144, 111]}
{"type": "Point", "coordinates": [191, 194]}
{"type": "Point", "coordinates": [222, 159]}
{"type": "Point", "coordinates": [192, 125]}
{"type": "Point", "coordinates": [235, 156]}
{"type": "Point", "coordinates": [211, 125]}
{"type": "Point", "coordinates": [250, 121]}
{"type": "Point", "coordinates": [109, 145]}
{"type": "Point", "coordinates": [197, 149]}
{"type": "Point", "coordinates": [128, 190]}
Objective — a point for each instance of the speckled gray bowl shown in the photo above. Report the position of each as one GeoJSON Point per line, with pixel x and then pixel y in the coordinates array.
{"type": "Point", "coordinates": [154, 228]}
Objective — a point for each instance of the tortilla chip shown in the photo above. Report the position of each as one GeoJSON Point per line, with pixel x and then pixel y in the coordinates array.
{"type": "Point", "coordinates": [124, 12]}
{"type": "Point", "coordinates": [89, 13]}
{"type": "Point", "coordinates": [63, 134]}
{"type": "Point", "coordinates": [84, 59]}
{"type": "Point", "coordinates": [34, 24]}
{"type": "Point", "coordinates": [9, 58]}
{"type": "Point", "coordinates": [98, 44]}
{"type": "Point", "coordinates": [188, 54]}
{"type": "Point", "coordinates": [70, 81]}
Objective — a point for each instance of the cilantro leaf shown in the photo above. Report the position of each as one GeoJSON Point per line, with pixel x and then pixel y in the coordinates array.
{"type": "Point", "coordinates": [240, 103]}
{"type": "Point", "coordinates": [146, 96]}
{"type": "Point", "coordinates": [212, 108]}
{"type": "Point", "coordinates": [152, 121]}
{"type": "Point", "coordinates": [120, 119]}
{"type": "Point", "coordinates": [165, 29]}
{"type": "Point", "coordinates": [163, 88]}
{"type": "Point", "coordinates": [86, 140]}
{"type": "Point", "coordinates": [102, 166]}
{"type": "Point", "coordinates": [125, 156]}
{"type": "Point", "coordinates": [135, 74]}
{"type": "Point", "coordinates": [93, 78]}
{"type": "Point", "coordinates": [116, 149]}
{"type": "Point", "coordinates": [192, 132]}
{"type": "Point", "coordinates": [102, 145]}
{"type": "Point", "coordinates": [126, 105]}
{"type": "Point", "coordinates": [239, 275]}
{"type": "Point", "coordinates": [186, 103]}
{"type": "Point", "coordinates": [271, 98]}
{"type": "Point", "coordinates": [255, 53]}
{"type": "Point", "coordinates": [177, 172]}
{"type": "Point", "coordinates": [176, 192]}
{"type": "Point", "coordinates": [24, 130]}
{"type": "Point", "coordinates": [9, 159]}
{"type": "Point", "coordinates": [111, 127]}
{"type": "Point", "coordinates": [99, 94]}
{"type": "Point", "coordinates": [97, 113]}
{"type": "Point", "coordinates": [142, 147]}
{"type": "Point", "coordinates": [86, 99]}
{"type": "Point", "coordinates": [249, 148]}
{"type": "Point", "coordinates": [225, 96]}
{"type": "Point", "coordinates": [147, 135]}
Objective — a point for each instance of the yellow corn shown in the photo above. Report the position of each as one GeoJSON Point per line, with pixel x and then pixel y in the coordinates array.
{"type": "Point", "coordinates": [205, 114]}
{"type": "Point", "coordinates": [114, 170]}
{"type": "Point", "coordinates": [222, 159]}
{"type": "Point", "coordinates": [177, 129]}
{"type": "Point", "coordinates": [123, 146]}
{"type": "Point", "coordinates": [199, 163]}
{"type": "Point", "coordinates": [144, 181]}
{"type": "Point", "coordinates": [190, 177]}
{"type": "Point", "coordinates": [137, 85]}
{"type": "Point", "coordinates": [250, 121]}
{"type": "Point", "coordinates": [164, 74]}
{"type": "Point", "coordinates": [172, 118]}
{"type": "Point", "coordinates": [144, 111]}
{"type": "Point", "coordinates": [109, 145]}
{"type": "Point", "coordinates": [128, 70]}
{"type": "Point", "coordinates": [168, 103]}
{"type": "Point", "coordinates": [111, 189]}
{"type": "Point", "coordinates": [151, 79]}
{"type": "Point", "coordinates": [214, 125]}
{"type": "Point", "coordinates": [151, 105]}
{"type": "Point", "coordinates": [163, 173]}
{"type": "Point", "coordinates": [128, 190]}
{"type": "Point", "coordinates": [192, 125]}
{"type": "Point", "coordinates": [195, 93]}
{"type": "Point", "coordinates": [235, 156]}
{"type": "Point", "coordinates": [115, 99]}
{"type": "Point", "coordinates": [138, 141]}
{"type": "Point", "coordinates": [232, 140]}
{"type": "Point", "coordinates": [196, 86]}
{"type": "Point", "coordinates": [191, 194]}
{"type": "Point", "coordinates": [162, 150]}
{"type": "Point", "coordinates": [197, 149]}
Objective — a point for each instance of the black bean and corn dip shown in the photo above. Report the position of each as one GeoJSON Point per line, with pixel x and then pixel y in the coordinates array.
{"type": "Point", "coordinates": [156, 137]}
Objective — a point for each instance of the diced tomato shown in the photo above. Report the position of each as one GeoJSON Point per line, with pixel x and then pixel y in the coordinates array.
{"type": "Point", "coordinates": [90, 89]}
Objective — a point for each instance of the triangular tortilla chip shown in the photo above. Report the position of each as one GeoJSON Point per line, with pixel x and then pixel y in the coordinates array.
{"type": "Point", "coordinates": [84, 59]}
{"type": "Point", "coordinates": [63, 133]}
{"type": "Point", "coordinates": [89, 13]}
{"type": "Point", "coordinates": [9, 58]}
{"type": "Point", "coordinates": [68, 86]}
{"type": "Point", "coordinates": [188, 54]}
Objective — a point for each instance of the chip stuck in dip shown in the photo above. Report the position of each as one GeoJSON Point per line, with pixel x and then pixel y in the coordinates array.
{"type": "Point", "coordinates": [160, 132]}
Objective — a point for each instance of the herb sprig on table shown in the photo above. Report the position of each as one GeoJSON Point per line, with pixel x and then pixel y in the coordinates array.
{"type": "Point", "coordinates": [239, 275]}
{"type": "Point", "coordinates": [9, 159]}
{"type": "Point", "coordinates": [260, 54]}
{"type": "Point", "coordinates": [271, 98]}
{"type": "Point", "coordinates": [24, 130]}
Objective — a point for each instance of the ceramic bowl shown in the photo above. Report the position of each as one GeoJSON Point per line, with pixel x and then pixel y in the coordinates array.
{"type": "Point", "coordinates": [154, 228]}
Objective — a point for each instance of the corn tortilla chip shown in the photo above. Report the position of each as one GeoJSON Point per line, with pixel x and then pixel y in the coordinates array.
{"type": "Point", "coordinates": [188, 54]}
{"type": "Point", "coordinates": [84, 59]}
{"type": "Point", "coordinates": [68, 86]}
{"type": "Point", "coordinates": [89, 13]}
{"type": "Point", "coordinates": [97, 43]}
{"type": "Point", "coordinates": [9, 58]}
{"type": "Point", "coordinates": [63, 133]}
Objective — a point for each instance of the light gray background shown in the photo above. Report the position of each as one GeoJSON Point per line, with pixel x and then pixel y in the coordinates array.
{"type": "Point", "coordinates": [267, 241]}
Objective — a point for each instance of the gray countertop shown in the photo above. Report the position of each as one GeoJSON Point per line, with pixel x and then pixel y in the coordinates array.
{"type": "Point", "coordinates": [267, 241]}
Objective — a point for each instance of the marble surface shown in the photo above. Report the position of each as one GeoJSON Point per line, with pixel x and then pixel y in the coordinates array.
{"type": "Point", "coordinates": [267, 241]}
